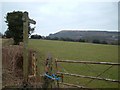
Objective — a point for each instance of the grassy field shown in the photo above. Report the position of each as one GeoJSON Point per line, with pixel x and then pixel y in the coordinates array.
{"type": "Point", "coordinates": [80, 51]}
{"type": "Point", "coordinates": [6, 42]}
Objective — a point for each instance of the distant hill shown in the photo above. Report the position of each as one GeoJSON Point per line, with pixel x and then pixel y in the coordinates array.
{"type": "Point", "coordinates": [108, 36]}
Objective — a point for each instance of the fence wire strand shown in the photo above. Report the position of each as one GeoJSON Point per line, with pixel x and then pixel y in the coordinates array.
{"type": "Point", "coordinates": [99, 75]}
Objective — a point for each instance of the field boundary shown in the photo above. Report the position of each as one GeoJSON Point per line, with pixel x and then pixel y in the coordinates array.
{"type": "Point", "coordinates": [111, 64]}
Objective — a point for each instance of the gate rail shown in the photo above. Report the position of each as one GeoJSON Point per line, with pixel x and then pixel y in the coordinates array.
{"type": "Point", "coordinates": [83, 76]}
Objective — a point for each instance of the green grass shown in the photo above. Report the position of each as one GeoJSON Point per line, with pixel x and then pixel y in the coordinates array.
{"type": "Point", "coordinates": [6, 42]}
{"type": "Point", "coordinates": [80, 51]}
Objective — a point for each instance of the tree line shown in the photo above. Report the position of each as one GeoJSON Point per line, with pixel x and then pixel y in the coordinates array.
{"type": "Point", "coordinates": [77, 40]}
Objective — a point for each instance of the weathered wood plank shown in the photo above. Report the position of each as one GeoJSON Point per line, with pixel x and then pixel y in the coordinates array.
{"type": "Point", "coordinates": [26, 22]}
{"type": "Point", "coordinates": [25, 41]}
{"type": "Point", "coordinates": [32, 21]}
{"type": "Point", "coordinates": [87, 62]}
{"type": "Point", "coordinates": [90, 77]}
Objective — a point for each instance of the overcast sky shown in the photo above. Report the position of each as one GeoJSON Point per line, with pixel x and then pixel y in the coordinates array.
{"type": "Point", "coordinates": [58, 15]}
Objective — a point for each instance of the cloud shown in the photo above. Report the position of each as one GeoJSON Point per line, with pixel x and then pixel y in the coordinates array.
{"type": "Point", "coordinates": [63, 14]}
{"type": "Point", "coordinates": [59, 1]}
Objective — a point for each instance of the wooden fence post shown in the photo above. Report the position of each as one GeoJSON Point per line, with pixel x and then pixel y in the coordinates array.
{"type": "Point", "coordinates": [34, 64]}
{"type": "Point", "coordinates": [56, 71]}
{"type": "Point", "coordinates": [26, 22]}
{"type": "Point", "coordinates": [25, 49]}
{"type": "Point", "coordinates": [48, 83]}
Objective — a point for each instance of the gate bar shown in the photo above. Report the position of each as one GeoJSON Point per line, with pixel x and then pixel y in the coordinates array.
{"type": "Point", "coordinates": [90, 77]}
{"type": "Point", "coordinates": [87, 62]}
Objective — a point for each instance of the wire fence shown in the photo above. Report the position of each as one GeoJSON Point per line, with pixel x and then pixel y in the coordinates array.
{"type": "Point", "coordinates": [99, 74]}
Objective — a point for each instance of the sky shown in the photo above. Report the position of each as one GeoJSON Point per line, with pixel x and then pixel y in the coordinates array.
{"type": "Point", "coordinates": [52, 16]}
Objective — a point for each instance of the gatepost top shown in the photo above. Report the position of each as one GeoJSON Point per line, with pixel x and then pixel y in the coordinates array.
{"type": "Point", "coordinates": [26, 12]}
{"type": "Point", "coordinates": [32, 21]}
{"type": "Point", "coordinates": [25, 16]}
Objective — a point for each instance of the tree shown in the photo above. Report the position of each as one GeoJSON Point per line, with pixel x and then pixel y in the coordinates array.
{"type": "Point", "coordinates": [36, 36]}
{"type": "Point", "coordinates": [104, 42]}
{"type": "Point", "coordinates": [8, 34]}
{"type": "Point", "coordinates": [48, 38]}
{"type": "Point", "coordinates": [96, 41]}
{"type": "Point", "coordinates": [15, 26]}
{"type": "Point", "coordinates": [81, 40]}
{"type": "Point", "coordinates": [66, 39]}
{"type": "Point", "coordinates": [1, 35]}
{"type": "Point", "coordinates": [55, 38]}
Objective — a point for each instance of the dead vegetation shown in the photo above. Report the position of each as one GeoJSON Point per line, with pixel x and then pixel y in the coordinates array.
{"type": "Point", "coordinates": [12, 65]}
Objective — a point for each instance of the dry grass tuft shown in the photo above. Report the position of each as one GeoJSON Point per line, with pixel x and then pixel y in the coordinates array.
{"type": "Point", "coordinates": [12, 64]}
